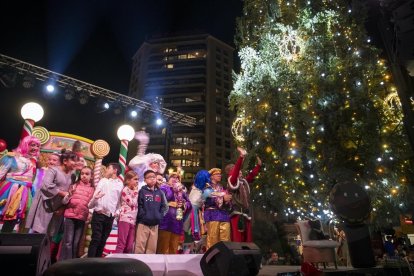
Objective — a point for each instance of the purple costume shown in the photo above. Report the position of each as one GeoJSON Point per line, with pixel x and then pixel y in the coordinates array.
{"type": "Point", "coordinates": [169, 222]}
{"type": "Point", "coordinates": [214, 207]}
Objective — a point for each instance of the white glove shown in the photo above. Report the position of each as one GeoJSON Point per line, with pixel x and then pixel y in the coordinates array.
{"type": "Point", "coordinates": [142, 137]}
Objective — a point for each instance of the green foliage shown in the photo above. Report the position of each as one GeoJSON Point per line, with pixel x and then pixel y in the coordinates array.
{"type": "Point", "coordinates": [312, 93]}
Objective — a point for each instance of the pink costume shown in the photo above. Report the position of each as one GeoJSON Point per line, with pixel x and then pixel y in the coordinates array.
{"type": "Point", "coordinates": [17, 170]}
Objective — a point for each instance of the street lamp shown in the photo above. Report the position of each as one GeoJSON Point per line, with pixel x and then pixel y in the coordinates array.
{"type": "Point", "coordinates": [125, 134]}
{"type": "Point", "coordinates": [31, 113]}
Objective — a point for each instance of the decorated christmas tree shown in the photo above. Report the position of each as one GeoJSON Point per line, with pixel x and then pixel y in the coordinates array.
{"type": "Point", "coordinates": [317, 103]}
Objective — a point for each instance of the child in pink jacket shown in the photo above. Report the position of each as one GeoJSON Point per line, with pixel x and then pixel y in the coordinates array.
{"type": "Point", "coordinates": [76, 213]}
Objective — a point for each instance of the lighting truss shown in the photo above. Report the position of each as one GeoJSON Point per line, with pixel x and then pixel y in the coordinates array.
{"type": "Point", "coordinates": [94, 91]}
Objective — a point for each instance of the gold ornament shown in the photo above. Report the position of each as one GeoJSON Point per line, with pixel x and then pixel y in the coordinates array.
{"type": "Point", "coordinates": [392, 101]}
{"type": "Point", "coordinates": [392, 108]}
{"type": "Point", "coordinates": [291, 45]}
{"type": "Point", "coordinates": [237, 129]}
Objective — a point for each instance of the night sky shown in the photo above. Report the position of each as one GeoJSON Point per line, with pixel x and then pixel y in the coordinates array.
{"type": "Point", "coordinates": [93, 41]}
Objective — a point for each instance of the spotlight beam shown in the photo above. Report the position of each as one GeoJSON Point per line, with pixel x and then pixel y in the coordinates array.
{"type": "Point", "coordinates": [95, 91]}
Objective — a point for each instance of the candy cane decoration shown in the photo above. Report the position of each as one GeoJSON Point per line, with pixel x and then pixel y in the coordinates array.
{"type": "Point", "coordinates": [27, 128]}
{"type": "Point", "coordinates": [122, 158]}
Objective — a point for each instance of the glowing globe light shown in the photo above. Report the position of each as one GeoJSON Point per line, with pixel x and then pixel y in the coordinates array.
{"type": "Point", "coordinates": [125, 132]}
{"type": "Point", "coordinates": [32, 111]}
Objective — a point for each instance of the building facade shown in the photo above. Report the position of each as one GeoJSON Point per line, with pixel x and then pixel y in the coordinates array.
{"type": "Point", "coordinates": [190, 74]}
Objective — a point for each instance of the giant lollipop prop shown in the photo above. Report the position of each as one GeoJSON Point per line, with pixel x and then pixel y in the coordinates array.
{"type": "Point", "coordinates": [100, 149]}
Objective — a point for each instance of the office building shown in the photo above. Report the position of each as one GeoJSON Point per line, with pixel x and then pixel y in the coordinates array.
{"type": "Point", "coordinates": [190, 74]}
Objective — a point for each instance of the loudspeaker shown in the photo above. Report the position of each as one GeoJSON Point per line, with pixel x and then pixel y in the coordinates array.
{"type": "Point", "coordinates": [99, 267]}
{"type": "Point", "coordinates": [359, 243]}
{"type": "Point", "coordinates": [25, 254]}
{"type": "Point", "coordinates": [231, 258]}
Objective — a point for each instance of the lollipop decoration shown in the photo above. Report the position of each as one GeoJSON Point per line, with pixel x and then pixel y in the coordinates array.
{"type": "Point", "coordinates": [100, 149]}
{"type": "Point", "coordinates": [42, 134]}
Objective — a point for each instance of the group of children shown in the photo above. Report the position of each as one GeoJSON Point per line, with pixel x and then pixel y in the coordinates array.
{"type": "Point", "coordinates": [152, 213]}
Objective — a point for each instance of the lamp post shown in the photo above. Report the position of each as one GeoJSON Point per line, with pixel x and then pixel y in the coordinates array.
{"type": "Point", "coordinates": [125, 134]}
{"type": "Point", "coordinates": [31, 113]}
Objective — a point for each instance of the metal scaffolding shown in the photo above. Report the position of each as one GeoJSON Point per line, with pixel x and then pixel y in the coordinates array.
{"type": "Point", "coordinates": [79, 87]}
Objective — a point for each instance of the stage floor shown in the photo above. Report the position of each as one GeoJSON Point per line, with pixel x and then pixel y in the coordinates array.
{"type": "Point", "coordinates": [189, 265]}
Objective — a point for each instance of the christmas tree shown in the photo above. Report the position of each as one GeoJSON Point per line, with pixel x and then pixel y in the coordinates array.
{"type": "Point", "coordinates": [316, 102]}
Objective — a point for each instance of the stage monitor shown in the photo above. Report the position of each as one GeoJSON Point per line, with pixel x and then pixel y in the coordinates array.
{"type": "Point", "coordinates": [231, 258]}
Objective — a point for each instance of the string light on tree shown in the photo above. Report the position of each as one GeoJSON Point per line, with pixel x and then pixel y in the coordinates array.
{"type": "Point", "coordinates": [290, 44]}
{"type": "Point", "coordinates": [339, 111]}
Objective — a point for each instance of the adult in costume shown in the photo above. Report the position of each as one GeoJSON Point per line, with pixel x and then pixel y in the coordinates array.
{"type": "Point", "coordinates": [171, 226]}
{"type": "Point", "coordinates": [143, 162]}
{"type": "Point", "coordinates": [194, 223]}
{"type": "Point", "coordinates": [17, 170]}
{"type": "Point", "coordinates": [217, 208]}
{"type": "Point", "coordinates": [238, 185]}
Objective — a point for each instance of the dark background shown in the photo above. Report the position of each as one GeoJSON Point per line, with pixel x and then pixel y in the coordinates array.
{"type": "Point", "coordinates": [92, 41]}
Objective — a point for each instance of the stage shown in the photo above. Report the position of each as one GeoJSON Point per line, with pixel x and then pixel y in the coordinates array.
{"type": "Point", "coordinates": [189, 265]}
{"type": "Point", "coordinates": [172, 265]}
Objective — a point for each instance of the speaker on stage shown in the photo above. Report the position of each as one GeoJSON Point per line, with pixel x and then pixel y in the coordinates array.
{"type": "Point", "coordinates": [359, 245]}
{"type": "Point", "coordinates": [231, 258]}
{"type": "Point", "coordinates": [25, 254]}
{"type": "Point", "coordinates": [99, 267]}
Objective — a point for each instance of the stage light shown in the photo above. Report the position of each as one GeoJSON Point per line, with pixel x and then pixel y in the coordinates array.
{"type": "Point", "coordinates": [134, 113]}
{"type": "Point", "coordinates": [158, 122]}
{"type": "Point", "coordinates": [83, 98]}
{"type": "Point", "coordinates": [102, 104]}
{"type": "Point", "coordinates": [69, 94]}
{"type": "Point", "coordinates": [8, 79]}
{"type": "Point", "coordinates": [28, 81]}
{"type": "Point", "coordinates": [50, 88]}
{"type": "Point", "coordinates": [117, 109]}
